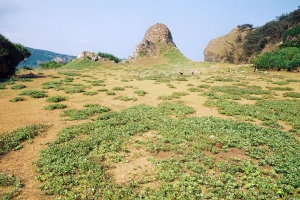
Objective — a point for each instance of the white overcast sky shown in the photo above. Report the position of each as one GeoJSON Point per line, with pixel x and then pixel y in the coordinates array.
{"type": "Point", "coordinates": [117, 26]}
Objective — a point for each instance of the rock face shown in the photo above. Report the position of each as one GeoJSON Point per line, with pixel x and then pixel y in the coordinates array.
{"type": "Point", "coordinates": [92, 56]}
{"type": "Point", "coordinates": [148, 47]}
{"type": "Point", "coordinates": [225, 48]}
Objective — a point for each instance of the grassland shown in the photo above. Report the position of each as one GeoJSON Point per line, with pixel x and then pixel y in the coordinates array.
{"type": "Point", "coordinates": [144, 131]}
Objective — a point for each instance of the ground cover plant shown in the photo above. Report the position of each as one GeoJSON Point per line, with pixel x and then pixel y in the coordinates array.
{"type": "Point", "coordinates": [202, 138]}
{"type": "Point", "coordinates": [34, 93]}
{"type": "Point", "coordinates": [55, 106]}
{"type": "Point", "coordinates": [76, 165]}
{"type": "Point", "coordinates": [12, 140]}
{"type": "Point", "coordinates": [18, 87]}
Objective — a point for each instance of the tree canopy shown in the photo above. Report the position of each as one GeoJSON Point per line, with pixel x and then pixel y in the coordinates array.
{"type": "Point", "coordinates": [11, 54]}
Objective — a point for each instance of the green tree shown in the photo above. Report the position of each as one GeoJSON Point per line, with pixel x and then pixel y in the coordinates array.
{"type": "Point", "coordinates": [11, 55]}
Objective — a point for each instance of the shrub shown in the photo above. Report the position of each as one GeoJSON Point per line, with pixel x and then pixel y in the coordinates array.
{"type": "Point", "coordinates": [51, 65]}
{"type": "Point", "coordinates": [110, 93]}
{"type": "Point", "coordinates": [109, 56]}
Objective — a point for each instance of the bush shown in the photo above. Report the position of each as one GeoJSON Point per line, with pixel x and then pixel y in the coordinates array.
{"type": "Point", "coordinates": [109, 56]}
{"type": "Point", "coordinates": [51, 65]}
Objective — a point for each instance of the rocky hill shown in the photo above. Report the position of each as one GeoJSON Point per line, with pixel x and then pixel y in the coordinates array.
{"type": "Point", "coordinates": [38, 56]}
{"type": "Point", "coordinates": [244, 42]}
{"type": "Point", "coordinates": [157, 41]}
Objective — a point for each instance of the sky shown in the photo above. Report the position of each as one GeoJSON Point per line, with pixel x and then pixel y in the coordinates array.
{"type": "Point", "coordinates": [117, 26]}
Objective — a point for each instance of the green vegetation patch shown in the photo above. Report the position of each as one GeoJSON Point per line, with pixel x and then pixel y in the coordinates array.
{"type": "Point", "coordinates": [91, 93]}
{"type": "Point", "coordinates": [80, 64]}
{"type": "Point", "coordinates": [10, 180]}
{"type": "Point", "coordinates": [125, 98]}
{"type": "Point", "coordinates": [16, 99]}
{"type": "Point", "coordinates": [55, 106]}
{"type": "Point", "coordinates": [18, 87]}
{"type": "Point", "coordinates": [118, 89]}
{"type": "Point", "coordinates": [292, 94]}
{"type": "Point", "coordinates": [78, 164]}
{"type": "Point", "coordinates": [34, 93]}
{"type": "Point", "coordinates": [140, 92]}
{"type": "Point", "coordinates": [85, 113]}
{"type": "Point", "coordinates": [174, 95]}
{"type": "Point", "coordinates": [280, 88]}
{"type": "Point", "coordinates": [55, 99]}
{"type": "Point", "coordinates": [12, 140]}
{"type": "Point", "coordinates": [51, 84]}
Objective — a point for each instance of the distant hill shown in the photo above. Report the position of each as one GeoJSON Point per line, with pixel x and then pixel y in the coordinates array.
{"type": "Point", "coordinates": [39, 56]}
{"type": "Point", "coordinates": [245, 42]}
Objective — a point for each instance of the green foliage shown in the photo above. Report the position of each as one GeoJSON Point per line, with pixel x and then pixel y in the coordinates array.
{"type": "Point", "coordinates": [85, 113]}
{"type": "Point", "coordinates": [193, 89]}
{"type": "Point", "coordinates": [292, 94]}
{"type": "Point", "coordinates": [91, 93]}
{"type": "Point", "coordinates": [34, 93]}
{"type": "Point", "coordinates": [55, 106]}
{"type": "Point", "coordinates": [291, 37]}
{"type": "Point", "coordinates": [140, 92]}
{"type": "Point", "coordinates": [75, 164]}
{"type": "Point", "coordinates": [118, 88]}
{"type": "Point", "coordinates": [16, 99]}
{"type": "Point", "coordinates": [51, 65]}
{"type": "Point", "coordinates": [280, 88]}
{"type": "Point", "coordinates": [286, 58]}
{"type": "Point", "coordinates": [51, 84]}
{"type": "Point", "coordinates": [125, 98]}
{"type": "Point", "coordinates": [80, 64]}
{"type": "Point", "coordinates": [18, 87]}
{"type": "Point", "coordinates": [205, 86]}
{"type": "Point", "coordinates": [272, 32]}
{"type": "Point", "coordinates": [110, 93]}
{"type": "Point", "coordinates": [11, 54]}
{"type": "Point", "coordinates": [12, 140]}
{"type": "Point", "coordinates": [55, 99]}
{"type": "Point", "coordinates": [9, 180]}
{"type": "Point", "coordinates": [109, 56]}
{"type": "Point", "coordinates": [175, 95]}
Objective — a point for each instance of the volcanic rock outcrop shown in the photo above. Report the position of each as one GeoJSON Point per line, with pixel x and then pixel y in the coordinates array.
{"type": "Point", "coordinates": [158, 33]}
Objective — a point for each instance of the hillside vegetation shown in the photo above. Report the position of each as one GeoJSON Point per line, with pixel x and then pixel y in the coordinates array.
{"type": "Point", "coordinates": [245, 43]}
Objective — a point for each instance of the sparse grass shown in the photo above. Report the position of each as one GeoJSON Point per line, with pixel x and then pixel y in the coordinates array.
{"type": "Point", "coordinates": [118, 89]}
{"type": "Point", "coordinates": [175, 95]}
{"type": "Point", "coordinates": [55, 106]}
{"type": "Point", "coordinates": [34, 93]}
{"type": "Point", "coordinates": [193, 89]}
{"type": "Point", "coordinates": [110, 93]}
{"type": "Point", "coordinates": [51, 84]}
{"type": "Point", "coordinates": [102, 90]}
{"type": "Point", "coordinates": [125, 98]}
{"type": "Point", "coordinates": [292, 94]}
{"type": "Point", "coordinates": [140, 92]}
{"type": "Point", "coordinates": [280, 88]}
{"type": "Point", "coordinates": [54, 77]}
{"type": "Point", "coordinates": [91, 93]}
{"type": "Point", "coordinates": [280, 82]}
{"type": "Point", "coordinates": [18, 87]}
{"type": "Point", "coordinates": [55, 99]}
{"type": "Point", "coordinates": [16, 99]}
{"type": "Point", "coordinates": [205, 86]}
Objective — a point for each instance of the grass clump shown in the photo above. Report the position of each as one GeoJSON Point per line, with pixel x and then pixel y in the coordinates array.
{"type": "Point", "coordinates": [280, 82]}
{"type": "Point", "coordinates": [18, 87]}
{"type": "Point", "coordinates": [91, 93]}
{"type": "Point", "coordinates": [175, 95]}
{"type": "Point", "coordinates": [12, 140]}
{"type": "Point", "coordinates": [55, 99]}
{"type": "Point", "coordinates": [34, 93]}
{"type": "Point", "coordinates": [110, 93]}
{"type": "Point", "coordinates": [292, 94]}
{"type": "Point", "coordinates": [85, 113]}
{"type": "Point", "coordinates": [16, 99]}
{"type": "Point", "coordinates": [118, 88]}
{"type": "Point", "coordinates": [193, 89]}
{"type": "Point", "coordinates": [205, 86]}
{"type": "Point", "coordinates": [280, 88]}
{"type": "Point", "coordinates": [125, 98]}
{"type": "Point", "coordinates": [55, 106]}
{"type": "Point", "coordinates": [140, 92]}
{"type": "Point", "coordinates": [51, 84]}
{"type": "Point", "coordinates": [102, 90]}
